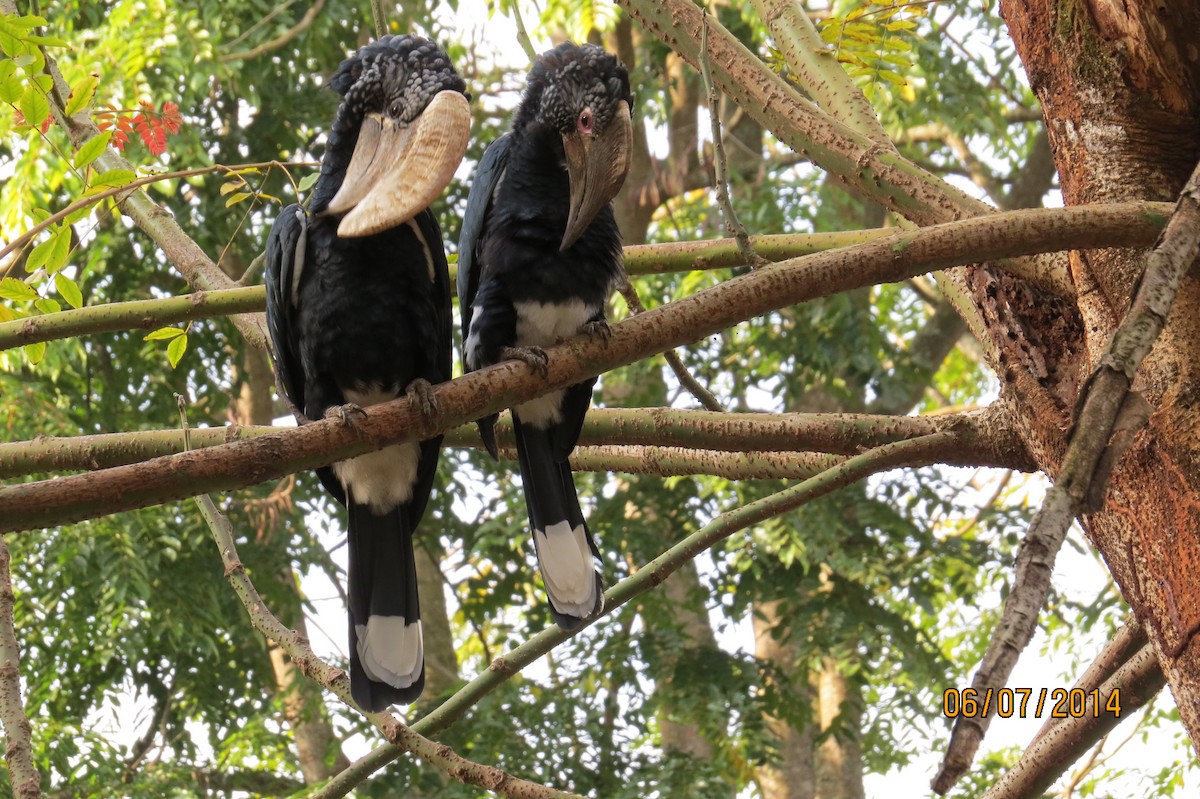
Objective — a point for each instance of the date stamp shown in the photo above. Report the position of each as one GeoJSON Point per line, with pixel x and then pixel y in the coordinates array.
{"type": "Point", "coordinates": [1024, 703]}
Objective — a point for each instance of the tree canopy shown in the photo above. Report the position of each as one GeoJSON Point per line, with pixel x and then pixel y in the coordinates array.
{"type": "Point", "coordinates": [850, 331]}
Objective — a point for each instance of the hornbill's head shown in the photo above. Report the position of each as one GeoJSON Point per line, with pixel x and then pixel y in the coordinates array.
{"type": "Point", "coordinates": [404, 109]}
{"type": "Point", "coordinates": [582, 92]}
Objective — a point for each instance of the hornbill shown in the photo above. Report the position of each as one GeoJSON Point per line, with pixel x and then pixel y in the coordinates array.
{"type": "Point", "coordinates": [539, 255]}
{"type": "Point", "coordinates": [358, 308]}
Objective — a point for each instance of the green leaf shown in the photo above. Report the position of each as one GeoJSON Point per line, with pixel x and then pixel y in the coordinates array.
{"type": "Point", "coordinates": [48, 41]}
{"type": "Point", "coordinates": [35, 352]}
{"type": "Point", "coordinates": [16, 290]}
{"type": "Point", "coordinates": [308, 181]}
{"type": "Point", "coordinates": [60, 249]}
{"type": "Point", "coordinates": [231, 186]}
{"type": "Point", "coordinates": [82, 94]}
{"type": "Point", "coordinates": [237, 198]}
{"type": "Point", "coordinates": [176, 349]}
{"type": "Point", "coordinates": [34, 106]}
{"type": "Point", "coordinates": [68, 289]}
{"type": "Point", "coordinates": [48, 305]}
{"type": "Point", "coordinates": [90, 150]}
{"type": "Point", "coordinates": [113, 178]}
{"type": "Point", "coordinates": [10, 82]}
{"type": "Point", "coordinates": [163, 333]}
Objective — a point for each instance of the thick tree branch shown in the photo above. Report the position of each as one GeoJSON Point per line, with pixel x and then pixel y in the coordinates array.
{"type": "Point", "coordinates": [915, 452]}
{"type": "Point", "coordinates": [981, 438]}
{"type": "Point", "coordinates": [1111, 415]}
{"type": "Point", "coordinates": [18, 750]}
{"type": "Point", "coordinates": [813, 64]}
{"type": "Point", "coordinates": [901, 256]}
{"type": "Point", "coordinates": [439, 755]}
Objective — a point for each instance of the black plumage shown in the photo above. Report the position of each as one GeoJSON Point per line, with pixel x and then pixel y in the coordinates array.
{"type": "Point", "coordinates": [358, 308]}
{"type": "Point", "coordinates": [539, 256]}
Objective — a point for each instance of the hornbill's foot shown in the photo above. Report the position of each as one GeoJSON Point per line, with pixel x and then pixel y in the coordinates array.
{"type": "Point", "coordinates": [421, 394]}
{"type": "Point", "coordinates": [534, 357]}
{"type": "Point", "coordinates": [597, 328]}
{"type": "Point", "coordinates": [348, 414]}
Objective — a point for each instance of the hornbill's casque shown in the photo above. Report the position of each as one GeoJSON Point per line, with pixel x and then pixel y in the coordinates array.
{"type": "Point", "coordinates": [539, 256]}
{"type": "Point", "coordinates": [358, 307]}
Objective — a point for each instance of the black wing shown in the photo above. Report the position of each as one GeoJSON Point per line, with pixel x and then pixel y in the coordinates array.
{"type": "Point", "coordinates": [479, 200]}
{"type": "Point", "coordinates": [286, 246]}
{"type": "Point", "coordinates": [443, 360]}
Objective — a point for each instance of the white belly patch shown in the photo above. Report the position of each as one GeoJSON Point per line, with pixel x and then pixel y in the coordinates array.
{"type": "Point", "coordinates": [384, 479]}
{"type": "Point", "coordinates": [542, 324]}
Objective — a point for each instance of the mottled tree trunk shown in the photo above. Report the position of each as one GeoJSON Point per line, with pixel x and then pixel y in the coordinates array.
{"type": "Point", "coordinates": [1119, 85]}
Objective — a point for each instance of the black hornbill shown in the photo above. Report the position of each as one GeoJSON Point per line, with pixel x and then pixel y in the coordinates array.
{"type": "Point", "coordinates": [539, 256]}
{"type": "Point", "coordinates": [358, 307]}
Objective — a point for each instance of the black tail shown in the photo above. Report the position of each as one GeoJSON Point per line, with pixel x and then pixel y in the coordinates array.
{"type": "Point", "coordinates": [387, 658]}
{"type": "Point", "coordinates": [565, 550]}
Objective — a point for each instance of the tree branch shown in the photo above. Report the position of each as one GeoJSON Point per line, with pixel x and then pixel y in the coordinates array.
{"type": "Point", "coordinates": [1111, 414]}
{"type": "Point", "coordinates": [640, 259]}
{"type": "Point", "coordinates": [609, 437]}
{"type": "Point", "coordinates": [139, 314]}
{"type": "Point", "coordinates": [439, 755]}
{"type": "Point", "coordinates": [915, 452]}
{"type": "Point", "coordinates": [1053, 751]}
{"type": "Point", "coordinates": [242, 463]}
{"type": "Point", "coordinates": [278, 41]}
{"type": "Point", "coordinates": [814, 65]}
{"type": "Point", "coordinates": [18, 751]}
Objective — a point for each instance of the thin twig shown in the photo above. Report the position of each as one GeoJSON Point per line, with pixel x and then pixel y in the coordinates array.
{"type": "Point", "coordinates": [909, 453]}
{"type": "Point", "coordinates": [720, 164]}
{"type": "Point", "coordinates": [18, 752]}
{"type": "Point", "coordinates": [1111, 415]}
{"type": "Point", "coordinates": [685, 377]}
{"type": "Point", "coordinates": [297, 647]}
{"type": "Point", "coordinates": [278, 41]}
{"type": "Point", "coordinates": [92, 199]}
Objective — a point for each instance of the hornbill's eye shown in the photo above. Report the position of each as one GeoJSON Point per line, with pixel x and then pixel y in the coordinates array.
{"type": "Point", "coordinates": [394, 110]}
{"type": "Point", "coordinates": [585, 121]}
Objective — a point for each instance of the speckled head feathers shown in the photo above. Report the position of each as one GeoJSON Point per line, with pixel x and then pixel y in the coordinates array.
{"type": "Point", "coordinates": [568, 79]}
{"type": "Point", "coordinates": [396, 75]}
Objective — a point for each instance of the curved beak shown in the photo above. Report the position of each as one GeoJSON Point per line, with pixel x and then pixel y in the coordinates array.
{"type": "Point", "coordinates": [397, 170]}
{"type": "Point", "coordinates": [597, 166]}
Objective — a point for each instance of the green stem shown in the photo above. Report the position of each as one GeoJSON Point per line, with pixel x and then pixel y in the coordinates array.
{"type": "Point", "coordinates": [139, 314]}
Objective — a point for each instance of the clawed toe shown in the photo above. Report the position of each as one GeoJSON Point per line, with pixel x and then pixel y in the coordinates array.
{"type": "Point", "coordinates": [534, 357]}
{"type": "Point", "coordinates": [598, 328]}
{"type": "Point", "coordinates": [347, 414]}
{"type": "Point", "coordinates": [421, 394]}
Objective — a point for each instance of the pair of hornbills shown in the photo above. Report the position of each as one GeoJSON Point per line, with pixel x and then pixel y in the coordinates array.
{"type": "Point", "coordinates": [358, 307]}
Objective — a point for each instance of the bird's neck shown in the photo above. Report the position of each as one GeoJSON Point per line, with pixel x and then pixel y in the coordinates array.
{"type": "Point", "coordinates": [538, 163]}
{"type": "Point", "coordinates": [339, 147]}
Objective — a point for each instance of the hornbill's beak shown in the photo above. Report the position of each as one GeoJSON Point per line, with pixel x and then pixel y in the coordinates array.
{"type": "Point", "coordinates": [397, 170]}
{"type": "Point", "coordinates": [597, 166]}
